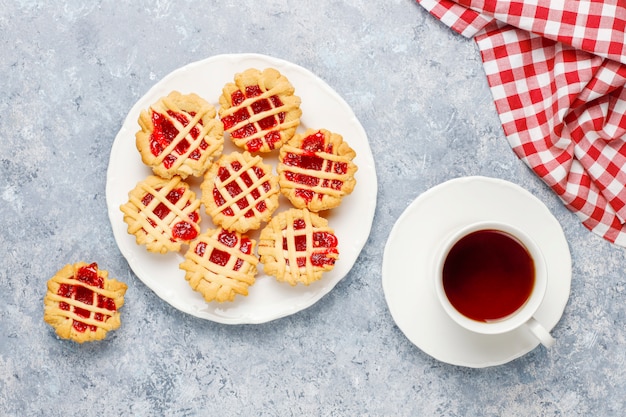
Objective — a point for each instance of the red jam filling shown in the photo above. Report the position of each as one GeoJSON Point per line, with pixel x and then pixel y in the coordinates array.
{"type": "Point", "coordinates": [184, 231]}
{"type": "Point", "coordinates": [89, 275]}
{"type": "Point", "coordinates": [258, 106]}
{"type": "Point", "coordinates": [311, 161]}
{"type": "Point", "coordinates": [228, 239]}
{"type": "Point", "coordinates": [164, 132]}
{"type": "Point", "coordinates": [200, 249]}
{"type": "Point", "coordinates": [219, 257]}
{"type": "Point", "coordinates": [181, 230]}
{"type": "Point", "coordinates": [234, 190]}
{"type": "Point", "coordinates": [324, 244]}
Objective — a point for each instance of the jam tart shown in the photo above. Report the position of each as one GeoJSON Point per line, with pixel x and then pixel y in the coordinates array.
{"type": "Point", "coordinates": [82, 304]}
{"type": "Point", "coordinates": [240, 192]}
{"type": "Point", "coordinates": [259, 110]}
{"type": "Point", "coordinates": [162, 213]}
{"type": "Point", "coordinates": [220, 264]}
{"type": "Point", "coordinates": [297, 246]}
{"type": "Point", "coordinates": [180, 135]}
{"type": "Point", "coordinates": [316, 170]}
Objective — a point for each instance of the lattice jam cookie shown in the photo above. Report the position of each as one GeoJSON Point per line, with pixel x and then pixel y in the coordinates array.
{"type": "Point", "coordinates": [260, 110]}
{"type": "Point", "coordinates": [316, 170]}
{"type": "Point", "coordinates": [162, 213]}
{"type": "Point", "coordinates": [297, 246]}
{"type": "Point", "coordinates": [82, 303]}
{"type": "Point", "coordinates": [179, 135]}
{"type": "Point", "coordinates": [220, 264]}
{"type": "Point", "coordinates": [239, 192]}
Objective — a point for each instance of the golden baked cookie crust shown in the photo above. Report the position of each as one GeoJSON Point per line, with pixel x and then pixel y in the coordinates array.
{"type": "Point", "coordinates": [316, 170]}
{"type": "Point", "coordinates": [82, 304]}
{"type": "Point", "coordinates": [162, 214]}
{"type": "Point", "coordinates": [240, 192]}
{"type": "Point", "coordinates": [220, 265]}
{"type": "Point", "coordinates": [259, 110]}
{"type": "Point", "coordinates": [180, 135]}
{"type": "Point", "coordinates": [297, 246]}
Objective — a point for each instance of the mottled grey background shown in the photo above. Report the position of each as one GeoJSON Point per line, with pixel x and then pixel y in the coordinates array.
{"type": "Point", "coordinates": [68, 76]}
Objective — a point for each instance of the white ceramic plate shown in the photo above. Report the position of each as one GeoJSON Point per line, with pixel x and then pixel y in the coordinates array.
{"type": "Point", "coordinates": [408, 265]}
{"type": "Point", "coordinates": [267, 299]}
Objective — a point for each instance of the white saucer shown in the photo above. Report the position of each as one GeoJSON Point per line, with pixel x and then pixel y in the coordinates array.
{"type": "Point", "coordinates": [409, 256]}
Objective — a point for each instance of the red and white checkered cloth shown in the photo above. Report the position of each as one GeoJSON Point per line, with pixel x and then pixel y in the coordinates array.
{"type": "Point", "coordinates": [557, 72]}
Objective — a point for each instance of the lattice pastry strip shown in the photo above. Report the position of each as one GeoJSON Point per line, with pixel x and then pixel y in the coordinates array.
{"type": "Point", "coordinates": [297, 246]}
{"type": "Point", "coordinates": [316, 170]}
{"type": "Point", "coordinates": [179, 135]}
{"type": "Point", "coordinates": [162, 213]}
{"type": "Point", "coordinates": [259, 110]}
{"type": "Point", "coordinates": [220, 265]}
{"type": "Point", "coordinates": [239, 192]}
{"type": "Point", "coordinates": [82, 303]}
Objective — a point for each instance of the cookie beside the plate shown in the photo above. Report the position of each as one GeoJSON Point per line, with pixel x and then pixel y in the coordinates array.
{"type": "Point", "coordinates": [82, 303]}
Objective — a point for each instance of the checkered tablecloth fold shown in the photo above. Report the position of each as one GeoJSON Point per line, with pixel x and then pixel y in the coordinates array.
{"type": "Point", "coordinates": [557, 73]}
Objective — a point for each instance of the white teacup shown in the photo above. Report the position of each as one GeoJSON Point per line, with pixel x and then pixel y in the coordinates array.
{"type": "Point", "coordinates": [491, 278]}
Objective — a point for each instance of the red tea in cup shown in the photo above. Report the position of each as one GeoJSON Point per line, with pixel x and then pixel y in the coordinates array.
{"type": "Point", "coordinates": [488, 275]}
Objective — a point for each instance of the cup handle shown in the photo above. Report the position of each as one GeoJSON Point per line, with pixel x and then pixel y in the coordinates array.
{"type": "Point", "coordinates": [540, 333]}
